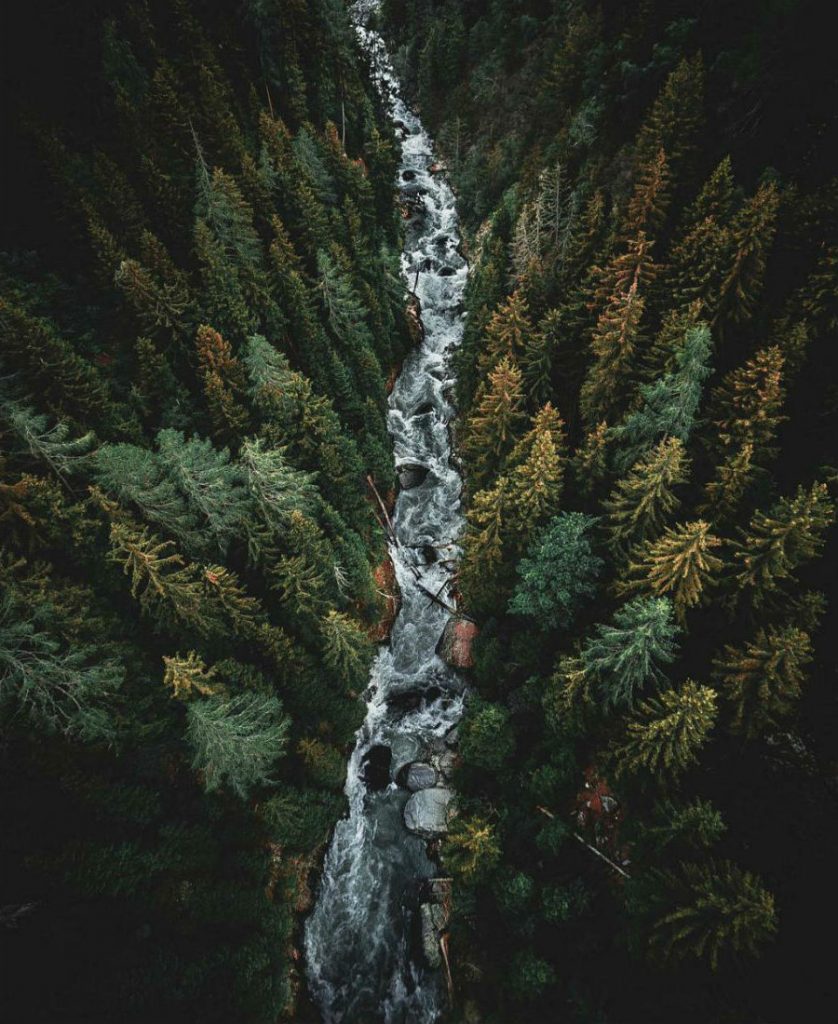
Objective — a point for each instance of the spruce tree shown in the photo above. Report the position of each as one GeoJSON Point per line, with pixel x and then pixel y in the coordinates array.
{"type": "Point", "coordinates": [496, 416]}
{"type": "Point", "coordinates": [625, 657]}
{"type": "Point", "coordinates": [747, 405]}
{"type": "Point", "coordinates": [679, 564]}
{"type": "Point", "coordinates": [223, 381]}
{"type": "Point", "coordinates": [717, 910]}
{"type": "Point", "coordinates": [752, 234]}
{"type": "Point", "coordinates": [236, 740]}
{"type": "Point", "coordinates": [613, 345]}
{"type": "Point", "coordinates": [778, 541]}
{"type": "Point", "coordinates": [667, 732]}
{"type": "Point", "coordinates": [762, 678]}
{"type": "Point", "coordinates": [642, 501]}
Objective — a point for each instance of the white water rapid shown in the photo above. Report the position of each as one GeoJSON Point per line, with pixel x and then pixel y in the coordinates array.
{"type": "Point", "coordinates": [363, 954]}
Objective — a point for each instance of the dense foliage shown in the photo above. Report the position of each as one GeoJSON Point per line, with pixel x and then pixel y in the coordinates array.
{"type": "Point", "coordinates": [647, 391]}
{"type": "Point", "coordinates": [200, 307]}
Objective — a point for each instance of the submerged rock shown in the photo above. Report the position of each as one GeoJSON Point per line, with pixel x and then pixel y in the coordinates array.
{"type": "Point", "coordinates": [376, 767]}
{"type": "Point", "coordinates": [426, 812]}
{"type": "Point", "coordinates": [420, 776]}
{"type": "Point", "coordinates": [411, 475]}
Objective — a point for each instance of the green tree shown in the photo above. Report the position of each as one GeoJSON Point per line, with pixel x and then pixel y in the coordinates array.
{"type": "Point", "coordinates": [642, 501]}
{"type": "Point", "coordinates": [471, 849]}
{"type": "Point", "coordinates": [497, 414]}
{"type": "Point", "coordinates": [559, 573]}
{"type": "Point", "coordinates": [778, 541]}
{"type": "Point", "coordinates": [625, 658]}
{"type": "Point", "coordinates": [679, 563]}
{"type": "Point", "coordinates": [237, 740]}
{"type": "Point", "coordinates": [486, 737]}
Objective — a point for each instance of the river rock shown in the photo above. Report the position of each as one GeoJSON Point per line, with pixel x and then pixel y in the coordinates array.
{"type": "Point", "coordinates": [430, 936]}
{"type": "Point", "coordinates": [411, 475]}
{"type": "Point", "coordinates": [404, 751]}
{"type": "Point", "coordinates": [420, 776]}
{"type": "Point", "coordinates": [426, 812]}
{"type": "Point", "coordinates": [437, 167]}
{"type": "Point", "coordinates": [455, 643]}
{"type": "Point", "coordinates": [408, 175]}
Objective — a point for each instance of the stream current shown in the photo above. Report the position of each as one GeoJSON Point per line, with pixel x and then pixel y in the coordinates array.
{"type": "Point", "coordinates": [363, 955]}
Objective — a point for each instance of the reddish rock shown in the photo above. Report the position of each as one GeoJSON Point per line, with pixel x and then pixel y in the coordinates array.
{"type": "Point", "coordinates": [455, 643]}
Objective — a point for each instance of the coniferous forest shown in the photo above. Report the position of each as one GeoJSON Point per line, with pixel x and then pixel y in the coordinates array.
{"type": "Point", "coordinates": [202, 315]}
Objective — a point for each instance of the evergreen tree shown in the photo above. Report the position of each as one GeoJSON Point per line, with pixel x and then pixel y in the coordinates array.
{"type": "Point", "coordinates": [496, 416]}
{"type": "Point", "coordinates": [642, 501]}
{"type": "Point", "coordinates": [666, 734]}
{"type": "Point", "coordinates": [559, 572]}
{"type": "Point", "coordinates": [696, 825]}
{"type": "Point", "coordinates": [723, 494]}
{"type": "Point", "coordinates": [188, 675]}
{"type": "Point", "coordinates": [717, 910]}
{"type": "Point", "coordinates": [680, 563]}
{"type": "Point", "coordinates": [536, 481]}
{"type": "Point", "coordinates": [237, 740]}
{"type": "Point", "coordinates": [223, 380]}
{"type": "Point", "coordinates": [613, 344]}
{"type": "Point", "coordinates": [471, 848]}
{"type": "Point", "coordinates": [752, 233]}
{"type": "Point", "coordinates": [748, 405]}
{"type": "Point", "coordinates": [778, 541]}
{"type": "Point", "coordinates": [762, 678]}
{"type": "Point", "coordinates": [670, 404]}
{"type": "Point", "coordinates": [626, 657]}
{"type": "Point", "coordinates": [346, 648]}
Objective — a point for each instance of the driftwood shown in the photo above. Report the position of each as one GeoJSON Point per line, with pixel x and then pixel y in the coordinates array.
{"type": "Point", "coordinates": [612, 864]}
{"type": "Point", "coordinates": [391, 533]}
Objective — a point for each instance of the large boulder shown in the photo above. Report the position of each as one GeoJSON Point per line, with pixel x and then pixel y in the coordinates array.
{"type": "Point", "coordinates": [455, 643]}
{"type": "Point", "coordinates": [426, 812]}
{"type": "Point", "coordinates": [404, 749]}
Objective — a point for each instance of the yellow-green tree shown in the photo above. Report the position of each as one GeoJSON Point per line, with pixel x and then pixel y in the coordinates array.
{"type": "Point", "coordinates": [667, 732]}
{"type": "Point", "coordinates": [680, 564]}
{"type": "Point", "coordinates": [493, 424]}
{"type": "Point", "coordinates": [762, 678]}
{"type": "Point", "coordinates": [644, 498]}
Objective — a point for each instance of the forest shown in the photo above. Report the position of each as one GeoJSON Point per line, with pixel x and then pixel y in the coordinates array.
{"type": "Point", "coordinates": [202, 314]}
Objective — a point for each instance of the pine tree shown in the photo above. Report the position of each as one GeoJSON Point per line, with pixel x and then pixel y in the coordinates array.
{"type": "Point", "coordinates": [778, 541]}
{"type": "Point", "coordinates": [158, 305]}
{"type": "Point", "coordinates": [496, 416]}
{"type": "Point", "coordinates": [590, 461]}
{"type": "Point", "coordinates": [223, 298]}
{"type": "Point", "coordinates": [224, 384]}
{"type": "Point", "coordinates": [278, 489]}
{"type": "Point", "coordinates": [613, 345]}
{"type": "Point", "coordinates": [60, 687]}
{"type": "Point", "coordinates": [715, 198]}
{"type": "Point", "coordinates": [670, 404]}
{"type": "Point", "coordinates": [211, 485]}
{"type": "Point", "coordinates": [667, 732]}
{"type": "Point", "coordinates": [471, 848]}
{"type": "Point", "coordinates": [507, 333]}
{"type": "Point", "coordinates": [747, 405]}
{"type": "Point", "coordinates": [346, 648]}
{"type": "Point", "coordinates": [679, 564]}
{"type": "Point", "coordinates": [649, 201]}
{"type": "Point", "coordinates": [762, 678]}
{"type": "Point", "coordinates": [752, 233]}
{"type": "Point", "coordinates": [675, 118]}
{"type": "Point", "coordinates": [725, 491]}
{"type": "Point", "coordinates": [236, 740]}
{"type": "Point", "coordinates": [166, 587]}
{"type": "Point", "coordinates": [642, 501]}
{"type": "Point", "coordinates": [487, 522]}
{"type": "Point", "coordinates": [53, 445]}
{"type": "Point", "coordinates": [536, 481]}
{"type": "Point", "coordinates": [719, 909]}
{"type": "Point", "coordinates": [625, 658]}
{"type": "Point", "coordinates": [559, 572]}
{"type": "Point", "coordinates": [696, 825]}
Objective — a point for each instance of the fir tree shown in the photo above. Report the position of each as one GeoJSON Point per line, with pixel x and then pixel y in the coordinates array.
{"type": "Point", "coordinates": [666, 734]}
{"type": "Point", "coordinates": [613, 344]}
{"type": "Point", "coordinates": [223, 380]}
{"type": "Point", "coordinates": [642, 501]}
{"type": "Point", "coordinates": [723, 494]}
{"type": "Point", "coordinates": [717, 910]}
{"type": "Point", "coordinates": [748, 405]}
{"type": "Point", "coordinates": [558, 574]}
{"type": "Point", "coordinates": [778, 541]}
{"type": "Point", "coordinates": [237, 740]}
{"type": "Point", "coordinates": [752, 233]}
{"type": "Point", "coordinates": [188, 675]}
{"type": "Point", "coordinates": [536, 481]}
{"type": "Point", "coordinates": [626, 657]}
{"type": "Point", "coordinates": [762, 678]}
{"type": "Point", "coordinates": [497, 413]}
{"type": "Point", "coordinates": [679, 564]}
{"type": "Point", "coordinates": [346, 648]}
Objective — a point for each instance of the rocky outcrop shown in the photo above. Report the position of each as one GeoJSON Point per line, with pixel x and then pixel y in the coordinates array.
{"type": "Point", "coordinates": [426, 812]}
{"type": "Point", "coordinates": [455, 643]}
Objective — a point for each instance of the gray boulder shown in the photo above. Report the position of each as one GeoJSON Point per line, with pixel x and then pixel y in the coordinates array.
{"type": "Point", "coordinates": [420, 776]}
{"type": "Point", "coordinates": [411, 475]}
{"type": "Point", "coordinates": [430, 936]}
{"type": "Point", "coordinates": [426, 812]}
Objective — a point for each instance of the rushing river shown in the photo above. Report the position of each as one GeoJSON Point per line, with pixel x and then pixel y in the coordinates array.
{"type": "Point", "coordinates": [363, 953]}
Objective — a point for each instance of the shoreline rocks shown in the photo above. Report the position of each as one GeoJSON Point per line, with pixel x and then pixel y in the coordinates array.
{"type": "Point", "coordinates": [426, 812]}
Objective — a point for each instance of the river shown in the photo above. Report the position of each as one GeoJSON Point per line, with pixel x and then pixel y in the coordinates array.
{"type": "Point", "coordinates": [362, 940]}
